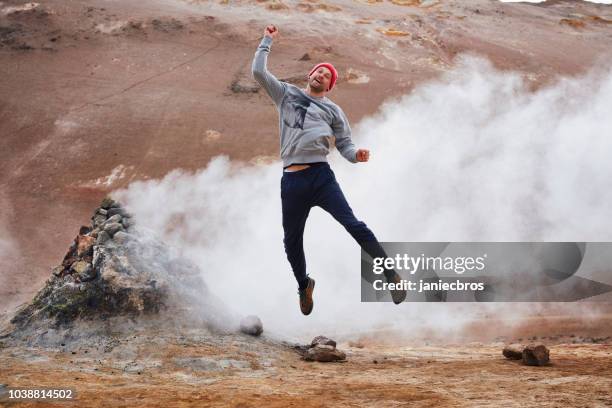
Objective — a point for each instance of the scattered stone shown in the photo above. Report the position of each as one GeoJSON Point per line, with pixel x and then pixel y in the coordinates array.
{"type": "Point", "coordinates": [84, 230]}
{"type": "Point", "coordinates": [305, 57]}
{"type": "Point", "coordinates": [251, 325]}
{"type": "Point", "coordinates": [102, 211]}
{"type": "Point", "coordinates": [57, 271]}
{"type": "Point", "coordinates": [536, 355]}
{"type": "Point", "coordinates": [323, 341]}
{"type": "Point", "coordinates": [513, 351]}
{"type": "Point", "coordinates": [324, 354]}
{"type": "Point", "coordinates": [126, 223]}
{"type": "Point", "coordinates": [321, 349]}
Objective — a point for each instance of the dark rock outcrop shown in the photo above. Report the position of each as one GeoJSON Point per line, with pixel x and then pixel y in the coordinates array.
{"type": "Point", "coordinates": [113, 270]}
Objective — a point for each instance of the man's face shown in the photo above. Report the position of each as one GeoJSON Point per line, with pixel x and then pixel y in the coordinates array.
{"type": "Point", "coordinates": [320, 79]}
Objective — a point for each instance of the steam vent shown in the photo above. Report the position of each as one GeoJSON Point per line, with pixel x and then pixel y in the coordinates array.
{"type": "Point", "coordinates": [111, 270]}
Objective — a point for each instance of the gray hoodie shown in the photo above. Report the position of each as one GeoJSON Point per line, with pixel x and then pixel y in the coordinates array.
{"type": "Point", "coordinates": [306, 123]}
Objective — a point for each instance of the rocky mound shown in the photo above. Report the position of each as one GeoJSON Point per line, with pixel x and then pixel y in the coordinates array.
{"type": "Point", "coordinates": [114, 270]}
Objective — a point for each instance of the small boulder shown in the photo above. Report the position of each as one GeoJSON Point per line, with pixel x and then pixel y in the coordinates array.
{"type": "Point", "coordinates": [322, 349]}
{"type": "Point", "coordinates": [251, 325]}
{"type": "Point", "coordinates": [513, 351]}
{"type": "Point", "coordinates": [536, 355]}
{"type": "Point", "coordinates": [323, 341]}
{"type": "Point", "coordinates": [324, 354]}
{"type": "Point", "coordinates": [84, 245]}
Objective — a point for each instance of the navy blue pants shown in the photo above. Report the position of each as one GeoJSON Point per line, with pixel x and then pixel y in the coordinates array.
{"type": "Point", "coordinates": [317, 186]}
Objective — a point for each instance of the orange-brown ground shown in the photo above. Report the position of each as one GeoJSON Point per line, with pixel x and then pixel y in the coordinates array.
{"type": "Point", "coordinates": [89, 87]}
{"type": "Point", "coordinates": [95, 94]}
{"type": "Point", "coordinates": [197, 369]}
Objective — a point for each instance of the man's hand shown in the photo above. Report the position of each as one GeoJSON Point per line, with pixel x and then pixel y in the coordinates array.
{"type": "Point", "coordinates": [363, 155]}
{"type": "Point", "coordinates": [271, 31]}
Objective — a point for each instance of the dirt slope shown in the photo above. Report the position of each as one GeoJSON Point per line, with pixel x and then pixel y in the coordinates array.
{"type": "Point", "coordinates": [95, 94]}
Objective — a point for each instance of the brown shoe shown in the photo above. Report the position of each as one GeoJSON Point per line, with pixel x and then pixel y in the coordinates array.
{"type": "Point", "coordinates": [306, 302]}
{"type": "Point", "coordinates": [398, 295]}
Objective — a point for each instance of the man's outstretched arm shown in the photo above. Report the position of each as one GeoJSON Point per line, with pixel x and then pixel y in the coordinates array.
{"type": "Point", "coordinates": [344, 143]}
{"type": "Point", "coordinates": [274, 87]}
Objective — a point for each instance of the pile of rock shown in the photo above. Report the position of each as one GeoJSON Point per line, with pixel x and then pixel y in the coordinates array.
{"type": "Point", "coordinates": [531, 355]}
{"type": "Point", "coordinates": [110, 221]}
{"type": "Point", "coordinates": [113, 269]}
{"type": "Point", "coordinates": [322, 349]}
{"type": "Point", "coordinates": [81, 263]}
{"type": "Point", "coordinates": [96, 278]}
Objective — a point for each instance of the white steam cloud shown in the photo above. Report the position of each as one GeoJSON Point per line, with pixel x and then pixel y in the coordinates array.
{"type": "Point", "coordinates": [472, 156]}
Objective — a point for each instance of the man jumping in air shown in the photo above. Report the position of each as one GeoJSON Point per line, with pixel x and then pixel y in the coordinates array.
{"type": "Point", "coordinates": [308, 120]}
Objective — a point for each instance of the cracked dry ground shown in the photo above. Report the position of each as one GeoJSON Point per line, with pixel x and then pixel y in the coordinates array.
{"type": "Point", "coordinates": [157, 370]}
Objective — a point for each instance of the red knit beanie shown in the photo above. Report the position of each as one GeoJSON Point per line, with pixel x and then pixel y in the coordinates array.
{"type": "Point", "coordinates": [334, 73]}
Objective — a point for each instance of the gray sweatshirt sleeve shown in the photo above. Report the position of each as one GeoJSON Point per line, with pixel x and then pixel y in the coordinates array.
{"type": "Point", "coordinates": [274, 87]}
{"type": "Point", "coordinates": [342, 132]}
